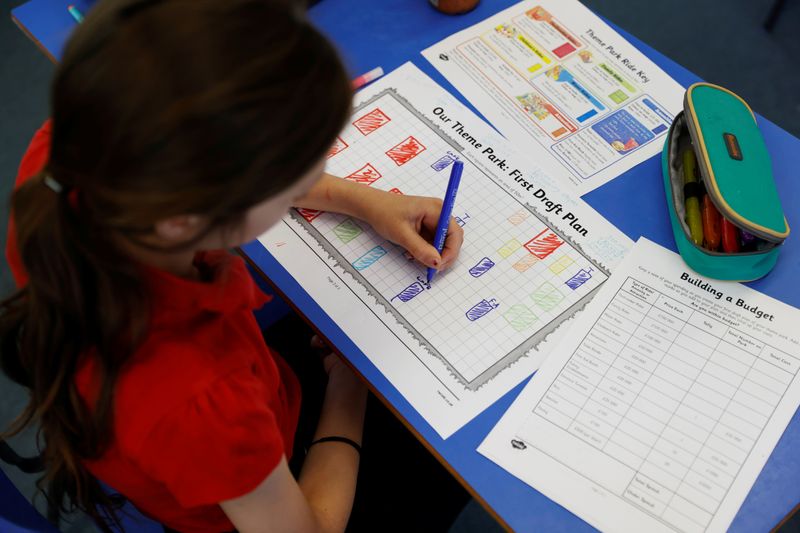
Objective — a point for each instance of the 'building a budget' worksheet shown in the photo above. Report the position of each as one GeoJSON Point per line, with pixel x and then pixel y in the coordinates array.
{"type": "Point", "coordinates": [660, 409]}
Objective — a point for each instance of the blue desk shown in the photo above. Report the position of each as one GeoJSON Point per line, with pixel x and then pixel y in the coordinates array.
{"type": "Point", "coordinates": [390, 32]}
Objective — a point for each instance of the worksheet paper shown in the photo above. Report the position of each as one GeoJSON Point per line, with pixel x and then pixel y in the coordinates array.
{"type": "Point", "coordinates": [659, 410]}
{"type": "Point", "coordinates": [532, 255]}
{"type": "Point", "coordinates": [554, 78]}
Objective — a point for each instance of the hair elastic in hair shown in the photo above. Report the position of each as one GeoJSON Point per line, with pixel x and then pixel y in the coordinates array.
{"type": "Point", "coordinates": [53, 184]}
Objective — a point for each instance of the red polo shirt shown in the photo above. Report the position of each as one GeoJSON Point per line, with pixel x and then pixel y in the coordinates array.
{"type": "Point", "coordinates": [203, 411]}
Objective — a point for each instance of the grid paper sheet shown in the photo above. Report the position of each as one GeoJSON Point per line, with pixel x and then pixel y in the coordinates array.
{"type": "Point", "coordinates": [486, 322]}
{"type": "Point", "coordinates": [504, 294]}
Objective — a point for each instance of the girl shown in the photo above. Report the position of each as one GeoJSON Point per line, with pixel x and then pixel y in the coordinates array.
{"type": "Point", "coordinates": [181, 128]}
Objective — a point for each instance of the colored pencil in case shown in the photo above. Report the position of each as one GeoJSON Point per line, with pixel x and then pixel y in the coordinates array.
{"type": "Point", "coordinates": [730, 237]}
{"type": "Point", "coordinates": [748, 239]}
{"type": "Point", "coordinates": [691, 194]}
{"type": "Point", "coordinates": [711, 224]}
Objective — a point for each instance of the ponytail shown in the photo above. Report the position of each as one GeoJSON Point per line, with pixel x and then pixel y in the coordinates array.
{"type": "Point", "coordinates": [159, 109]}
{"type": "Point", "coordinates": [81, 295]}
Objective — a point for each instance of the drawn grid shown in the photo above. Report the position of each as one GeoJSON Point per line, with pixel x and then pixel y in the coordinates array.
{"type": "Point", "coordinates": [513, 303]}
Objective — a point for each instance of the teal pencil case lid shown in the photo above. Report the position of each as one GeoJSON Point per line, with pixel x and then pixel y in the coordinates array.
{"type": "Point", "coordinates": [724, 207]}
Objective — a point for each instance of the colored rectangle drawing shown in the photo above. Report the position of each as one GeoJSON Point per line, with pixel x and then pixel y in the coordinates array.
{"type": "Point", "coordinates": [544, 244]}
{"type": "Point", "coordinates": [442, 163]}
{"type": "Point", "coordinates": [547, 296]}
{"type": "Point", "coordinates": [347, 230]}
{"type": "Point", "coordinates": [410, 292]}
{"type": "Point", "coordinates": [560, 265]}
{"type": "Point", "coordinates": [519, 317]}
{"type": "Point", "coordinates": [366, 175]}
{"type": "Point", "coordinates": [581, 277]}
{"type": "Point", "coordinates": [371, 121]}
{"type": "Point", "coordinates": [481, 309]}
{"type": "Point", "coordinates": [509, 248]}
{"type": "Point", "coordinates": [309, 214]}
{"type": "Point", "coordinates": [525, 263]}
{"type": "Point", "coordinates": [519, 217]}
{"type": "Point", "coordinates": [337, 147]}
{"type": "Point", "coordinates": [481, 267]}
{"type": "Point", "coordinates": [405, 151]}
{"type": "Point", "coordinates": [369, 258]}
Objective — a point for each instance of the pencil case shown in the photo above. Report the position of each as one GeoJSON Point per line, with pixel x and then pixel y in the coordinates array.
{"type": "Point", "coordinates": [715, 160]}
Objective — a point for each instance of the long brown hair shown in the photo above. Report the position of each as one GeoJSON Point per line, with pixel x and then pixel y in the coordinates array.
{"type": "Point", "coordinates": [159, 108]}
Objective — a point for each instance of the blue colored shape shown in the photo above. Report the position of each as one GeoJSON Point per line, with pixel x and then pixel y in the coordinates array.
{"type": "Point", "coordinates": [658, 129]}
{"type": "Point", "coordinates": [366, 260]}
{"type": "Point", "coordinates": [586, 116]}
{"type": "Point", "coordinates": [481, 309]}
{"type": "Point", "coordinates": [566, 76]}
{"type": "Point", "coordinates": [483, 266]}
{"type": "Point", "coordinates": [442, 163]}
{"type": "Point", "coordinates": [621, 127]}
{"type": "Point", "coordinates": [657, 110]}
{"type": "Point", "coordinates": [579, 279]}
{"type": "Point", "coordinates": [586, 94]}
{"type": "Point", "coordinates": [409, 292]}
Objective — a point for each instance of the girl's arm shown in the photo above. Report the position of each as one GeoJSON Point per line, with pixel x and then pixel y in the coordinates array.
{"type": "Point", "coordinates": [322, 498]}
{"type": "Point", "coordinates": [404, 220]}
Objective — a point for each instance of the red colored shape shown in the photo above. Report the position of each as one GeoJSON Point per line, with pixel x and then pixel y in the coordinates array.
{"type": "Point", "coordinates": [337, 147]}
{"type": "Point", "coordinates": [395, 190]}
{"type": "Point", "coordinates": [543, 244]}
{"type": "Point", "coordinates": [631, 144]}
{"type": "Point", "coordinates": [563, 50]}
{"type": "Point", "coordinates": [309, 214]}
{"type": "Point", "coordinates": [561, 118]}
{"type": "Point", "coordinates": [405, 151]}
{"type": "Point", "coordinates": [366, 175]}
{"type": "Point", "coordinates": [371, 121]}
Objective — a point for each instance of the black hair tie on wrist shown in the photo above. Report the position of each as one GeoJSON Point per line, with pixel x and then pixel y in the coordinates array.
{"type": "Point", "coordinates": [334, 438]}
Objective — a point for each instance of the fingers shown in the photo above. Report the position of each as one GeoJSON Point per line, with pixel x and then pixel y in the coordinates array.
{"type": "Point", "coordinates": [317, 343]}
{"type": "Point", "coordinates": [452, 245]}
{"type": "Point", "coordinates": [421, 249]}
{"type": "Point", "coordinates": [431, 210]}
{"type": "Point", "coordinates": [329, 361]}
{"type": "Point", "coordinates": [427, 254]}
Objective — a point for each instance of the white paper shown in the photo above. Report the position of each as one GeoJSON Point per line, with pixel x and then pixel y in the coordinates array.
{"type": "Point", "coordinates": [532, 256]}
{"type": "Point", "coordinates": [554, 78]}
{"type": "Point", "coordinates": [659, 410]}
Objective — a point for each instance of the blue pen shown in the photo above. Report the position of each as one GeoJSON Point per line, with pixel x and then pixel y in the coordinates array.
{"type": "Point", "coordinates": [447, 211]}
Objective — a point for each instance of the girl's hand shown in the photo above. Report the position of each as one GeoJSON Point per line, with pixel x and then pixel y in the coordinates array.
{"type": "Point", "coordinates": [410, 221]}
{"type": "Point", "coordinates": [330, 361]}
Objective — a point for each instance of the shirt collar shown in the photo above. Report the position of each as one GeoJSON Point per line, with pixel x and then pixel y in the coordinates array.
{"type": "Point", "coordinates": [228, 287]}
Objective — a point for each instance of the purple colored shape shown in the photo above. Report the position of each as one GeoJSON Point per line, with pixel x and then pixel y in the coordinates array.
{"type": "Point", "coordinates": [409, 292]}
{"type": "Point", "coordinates": [579, 279]}
{"type": "Point", "coordinates": [481, 309]}
{"type": "Point", "coordinates": [483, 266]}
{"type": "Point", "coordinates": [442, 163]}
{"type": "Point", "coordinates": [748, 239]}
